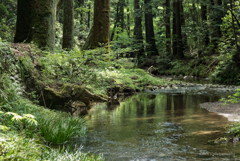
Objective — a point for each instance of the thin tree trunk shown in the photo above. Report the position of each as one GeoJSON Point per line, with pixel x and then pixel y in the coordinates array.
{"type": "Point", "coordinates": [128, 19]}
{"type": "Point", "coordinates": [89, 15]}
{"type": "Point", "coordinates": [178, 30]}
{"type": "Point", "coordinates": [138, 27]}
{"type": "Point", "coordinates": [184, 35]}
{"type": "Point", "coordinates": [59, 6]}
{"type": "Point", "coordinates": [117, 18]}
{"type": "Point", "coordinates": [88, 40]}
{"type": "Point", "coordinates": [204, 24]}
{"type": "Point", "coordinates": [68, 23]}
{"type": "Point", "coordinates": [121, 13]}
{"type": "Point", "coordinates": [168, 27]}
{"type": "Point", "coordinates": [174, 34]}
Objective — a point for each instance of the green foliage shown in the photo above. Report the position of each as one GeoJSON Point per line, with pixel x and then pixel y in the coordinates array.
{"type": "Point", "coordinates": [59, 130]}
{"type": "Point", "coordinates": [8, 19]}
{"type": "Point", "coordinates": [67, 154]}
{"type": "Point", "coordinates": [16, 147]}
{"type": "Point", "coordinates": [234, 98]}
{"type": "Point", "coordinates": [234, 129]}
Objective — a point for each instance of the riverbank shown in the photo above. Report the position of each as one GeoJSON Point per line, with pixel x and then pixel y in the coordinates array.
{"type": "Point", "coordinates": [229, 110]}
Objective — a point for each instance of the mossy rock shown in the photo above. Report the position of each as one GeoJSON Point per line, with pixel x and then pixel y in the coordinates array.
{"type": "Point", "coordinates": [59, 96]}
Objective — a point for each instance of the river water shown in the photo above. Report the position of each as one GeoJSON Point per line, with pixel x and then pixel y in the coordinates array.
{"type": "Point", "coordinates": [157, 126]}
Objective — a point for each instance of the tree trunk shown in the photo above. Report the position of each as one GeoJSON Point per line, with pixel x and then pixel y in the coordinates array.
{"type": "Point", "coordinates": [150, 37]}
{"type": "Point", "coordinates": [174, 36]}
{"type": "Point", "coordinates": [168, 27]}
{"type": "Point", "coordinates": [121, 14]}
{"type": "Point", "coordinates": [138, 27]}
{"type": "Point", "coordinates": [128, 19]}
{"type": "Point", "coordinates": [117, 19]}
{"type": "Point", "coordinates": [219, 17]}
{"type": "Point", "coordinates": [89, 15]}
{"type": "Point", "coordinates": [101, 23]}
{"type": "Point", "coordinates": [68, 23]}
{"type": "Point", "coordinates": [59, 6]}
{"type": "Point", "coordinates": [88, 40]}
{"type": "Point", "coordinates": [81, 3]}
{"type": "Point", "coordinates": [204, 24]}
{"type": "Point", "coordinates": [184, 35]}
{"type": "Point", "coordinates": [178, 30]}
{"type": "Point", "coordinates": [24, 18]}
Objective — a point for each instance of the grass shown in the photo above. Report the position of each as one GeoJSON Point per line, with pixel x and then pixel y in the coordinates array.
{"type": "Point", "coordinates": [62, 129]}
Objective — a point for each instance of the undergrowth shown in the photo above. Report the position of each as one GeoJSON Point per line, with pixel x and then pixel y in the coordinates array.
{"type": "Point", "coordinates": [25, 128]}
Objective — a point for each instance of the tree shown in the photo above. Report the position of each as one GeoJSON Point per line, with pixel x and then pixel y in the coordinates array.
{"type": "Point", "coordinates": [121, 13]}
{"type": "Point", "coordinates": [177, 8]}
{"type": "Point", "coordinates": [101, 23]}
{"type": "Point", "coordinates": [168, 27]}
{"type": "Point", "coordinates": [204, 20]}
{"type": "Point", "coordinates": [68, 23]}
{"type": "Point", "coordinates": [41, 22]}
{"type": "Point", "coordinates": [138, 27]}
{"type": "Point", "coordinates": [150, 37]}
{"type": "Point", "coordinates": [23, 25]}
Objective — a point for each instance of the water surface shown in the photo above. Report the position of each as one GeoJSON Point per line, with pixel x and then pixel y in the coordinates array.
{"type": "Point", "coordinates": [157, 126]}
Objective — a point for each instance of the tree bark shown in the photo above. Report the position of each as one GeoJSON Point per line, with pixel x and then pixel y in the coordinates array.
{"type": "Point", "coordinates": [121, 13]}
{"type": "Point", "coordinates": [68, 23]}
{"type": "Point", "coordinates": [204, 20]}
{"type": "Point", "coordinates": [117, 19]}
{"type": "Point", "coordinates": [59, 6]}
{"type": "Point", "coordinates": [168, 27]}
{"type": "Point", "coordinates": [179, 54]}
{"type": "Point", "coordinates": [89, 15]}
{"type": "Point", "coordinates": [37, 24]}
{"type": "Point", "coordinates": [138, 27]}
{"type": "Point", "coordinates": [24, 18]}
{"type": "Point", "coordinates": [128, 19]}
{"type": "Point", "coordinates": [150, 37]}
{"type": "Point", "coordinates": [174, 36]}
{"type": "Point", "coordinates": [101, 23]}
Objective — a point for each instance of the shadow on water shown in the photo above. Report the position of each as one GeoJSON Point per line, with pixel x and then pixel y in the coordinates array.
{"type": "Point", "coordinates": [157, 127]}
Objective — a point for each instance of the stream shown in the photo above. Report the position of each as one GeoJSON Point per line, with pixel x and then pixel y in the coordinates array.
{"type": "Point", "coordinates": [166, 124]}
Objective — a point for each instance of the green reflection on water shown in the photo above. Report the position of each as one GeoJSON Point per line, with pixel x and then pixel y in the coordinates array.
{"type": "Point", "coordinates": [156, 127]}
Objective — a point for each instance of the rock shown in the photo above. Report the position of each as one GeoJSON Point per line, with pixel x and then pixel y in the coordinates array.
{"type": "Point", "coordinates": [68, 93]}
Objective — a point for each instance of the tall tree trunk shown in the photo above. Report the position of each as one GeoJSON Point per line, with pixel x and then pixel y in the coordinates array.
{"type": "Point", "coordinates": [178, 30]}
{"type": "Point", "coordinates": [117, 19]}
{"type": "Point", "coordinates": [204, 24]}
{"type": "Point", "coordinates": [184, 35]}
{"type": "Point", "coordinates": [68, 23]}
{"type": "Point", "coordinates": [128, 19]}
{"type": "Point", "coordinates": [59, 6]}
{"type": "Point", "coordinates": [89, 15]}
{"type": "Point", "coordinates": [168, 27]}
{"type": "Point", "coordinates": [81, 3]}
{"type": "Point", "coordinates": [121, 13]}
{"type": "Point", "coordinates": [150, 37]}
{"type": "Point", "coordinates": [236, 56]}
{"type": "Point", "coordinates": [43, 23]}
{"type": "Point", "coordinates": [138, 27]}
{"type": "Point", "coordinates": [24, 18]}
{"type": "Point", "coordinates": [101, 23]}
{"type": "Point", "coordinates": [174, 34]}
{"type": "Point", "coordinates": [219, 17]}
